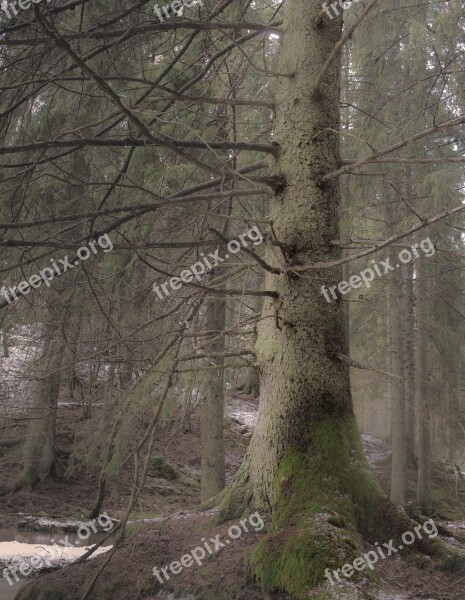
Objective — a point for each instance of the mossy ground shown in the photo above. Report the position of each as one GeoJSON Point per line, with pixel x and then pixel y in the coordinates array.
{"type": "Point", "coordinates": [449, 558]}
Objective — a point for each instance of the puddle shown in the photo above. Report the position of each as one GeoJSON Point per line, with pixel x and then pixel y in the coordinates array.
{"type": "Point", "coordinates": [47, 538]}
{"type": "Point", "coordinates": [19, 548]}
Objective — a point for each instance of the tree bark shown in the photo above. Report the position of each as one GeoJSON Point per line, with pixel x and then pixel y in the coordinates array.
{"type": "Point", "coordinates": [212, 471]}
{"type": "Point", "coordinates": [424, 497]}
{"type": "Point", "coordinates": [397, 389]}
{"type": "Point", "coordinates": [409, 363]}
{"type": "Point", "coordinates": [305, 458]}
{"type": "Point", "coordinates": [252, 383]}
{"type": "Point", "coordinates": [40, 450]}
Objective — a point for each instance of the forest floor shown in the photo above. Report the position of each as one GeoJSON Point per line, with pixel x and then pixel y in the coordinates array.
{"type": "Point", "coordinates": [73, 497]}
{"type": "Point", "coordinates": [168, 525]}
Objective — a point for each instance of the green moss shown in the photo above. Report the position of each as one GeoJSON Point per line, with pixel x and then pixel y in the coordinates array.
{"type": "Point", "coordinates": [324, 496]}
{"type": "Point", "coordinates": [332, 476]}
{"type": "Point", "coordinates": [294, 559]}
{"type": "Point", "coordinates": [447, 503]}
{"type": "Point", "coordinates": [190, 482]}
{"type": "Point", "coordinates": [232, 500]}
{"type": "Point", "coordinates": [336, 521]}
{"type": "Point", "coordinates": [450, 558]}
{"type": "Point", "coordinates": [159, 467]}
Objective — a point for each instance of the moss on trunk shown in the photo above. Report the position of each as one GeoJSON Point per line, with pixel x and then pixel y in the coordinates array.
{"type": "Point", "coordinates": [324, 497]}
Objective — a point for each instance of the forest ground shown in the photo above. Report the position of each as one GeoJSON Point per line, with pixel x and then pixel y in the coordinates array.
{"type": "Point", "coordinates": [158, 541]}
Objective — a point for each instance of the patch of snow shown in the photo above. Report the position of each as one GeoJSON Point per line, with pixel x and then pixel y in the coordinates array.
{"type": "Point", "coordinates": [243, 413]}
{"type": "Point", "coordinates": [49, 524]}
{"type": "Point", "coordinates": [17, 555]}
{"type": "Point", "coordinates": [456, 524]}
{"type": "Point", "coordinates": [182, 514]}
{"type": "Point", "coordinates": [376, 450]}
{"type": "Point", "coordinates": [46, 522]}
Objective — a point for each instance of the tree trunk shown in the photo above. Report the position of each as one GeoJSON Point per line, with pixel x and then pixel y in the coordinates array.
{"type": "Point", "coordinates": [102, 482]}
{"type": "Point", "coordinates": [305, 459]}
{"type": "Point", "coordinates": [252, 387]}
{"type": "Point", "coordinates": [409, 362]}
{"type": "Point", "coordinates": [40, 451]}
{"type": "Point", "coordinates": [252, 383]}
{"type": "Point", "coordinates": [398, 414]}
{"type": "Point", "coordinates": [424, 497]}
{"type": "Point", "coordinates": [397, 389]}
{"type": "Point", "coordinates": [212, 471]}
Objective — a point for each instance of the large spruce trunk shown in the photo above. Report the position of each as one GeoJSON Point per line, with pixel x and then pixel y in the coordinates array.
{"type": "Point", "coordinates": [305, 463]}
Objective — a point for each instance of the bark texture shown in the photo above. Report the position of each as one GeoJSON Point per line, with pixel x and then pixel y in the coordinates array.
{"type": "Point", "coordinates": [409, 363]}
{"type": "Point", "coordinates": [305, 460]}
{"type": "Point", "coordinates": [212, 469]}
{"type": "Point", "coordinates": [40, 452]}
{"type": "Point", "coordinates": [396, 386]}
{"type": "Point", "coordinates": [424, 497]}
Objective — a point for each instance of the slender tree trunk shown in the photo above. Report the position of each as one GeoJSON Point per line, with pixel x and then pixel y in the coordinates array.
{"type": "Point", "coordinates": [424, 497]}
{"type": "Point", "coordinates": [397, 389]}
{"type": "Point", "coordinates": [40, 450]}
{"type": "Point", "coordinates": [409, 362]}
{"type": "Point", "coordinates": [252, 384]}
{"type": "Point", "coordinates": [252, 387]}
{"type": "Point", "coordinates": [212, 471]}
{"type": "Point", "coordinates": [398, 416]}
{"type": "Point", "coordinates": [212, 462]}
{"type": "Point", "coordinates": [102, 482]}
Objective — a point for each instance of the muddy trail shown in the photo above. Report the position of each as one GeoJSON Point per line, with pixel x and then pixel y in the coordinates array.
{"type": "Point", "coordinates": [168, 525]}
